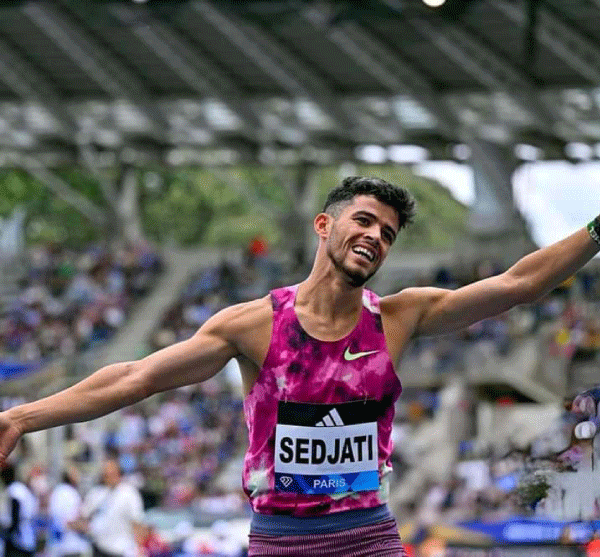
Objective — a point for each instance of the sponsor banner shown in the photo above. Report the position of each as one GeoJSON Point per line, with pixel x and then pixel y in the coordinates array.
{"type": "Point", "coordinates": [524, 530]}
{"type": "Point", "coordinates": [323, 484]}
{"type": "Point", "coordinates": [11, 369]}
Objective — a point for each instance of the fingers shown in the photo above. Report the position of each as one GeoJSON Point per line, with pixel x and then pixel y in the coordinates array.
{"type": "Point", "coordinates": [9, 436]}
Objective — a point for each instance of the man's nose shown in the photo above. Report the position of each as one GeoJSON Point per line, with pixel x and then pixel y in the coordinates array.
{"type": "Point", "coordinates": [374, 233]}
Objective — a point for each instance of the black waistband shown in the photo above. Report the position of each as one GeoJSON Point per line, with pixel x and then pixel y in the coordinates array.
{"type": "Point", "coordinates": [284, 525]}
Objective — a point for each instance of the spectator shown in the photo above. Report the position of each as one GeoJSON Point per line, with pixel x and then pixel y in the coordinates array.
{"type": "Point", "coordinates": [18, 520]}
{"type": "Point", "coordinates": [115, 516]}
{"type": "Point", "coordinates": [64, 507]}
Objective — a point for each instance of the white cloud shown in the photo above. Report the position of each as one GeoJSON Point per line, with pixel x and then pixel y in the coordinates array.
{"type": "Point", "coordinates": [557, 198]}
{"type": "Point", "coordinates": [456, 177]}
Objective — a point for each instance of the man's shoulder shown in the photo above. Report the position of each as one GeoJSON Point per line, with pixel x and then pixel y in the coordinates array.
{"type": "Point", "coordinates": [259, 305]}
{"type": "Point", "coordinates": [244, 315]}
{"type": "Point", "coordinates": [404, 299]}
{"type": "Point", "coordinates": [245, 326]}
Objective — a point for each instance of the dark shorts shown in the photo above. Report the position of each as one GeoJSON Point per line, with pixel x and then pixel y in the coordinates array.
{"type": "Point", "coordinates": [374, 540]}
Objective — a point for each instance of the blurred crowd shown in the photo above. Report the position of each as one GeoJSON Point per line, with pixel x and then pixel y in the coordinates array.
{"type": "Point", "coordinates": [214, 288]}
{"type": "Point", "coordinates": [577, 331]}
{"type": "Point", "coordinates": [170, 451]}
{"type": "Point", "coordinates": [176, 446]}
{"type": "Point", "coordinates": [69, 301]}
{"type": "Point", "coordinates": [478, 482]}
{"type": "Point", "coordinates": [107, 520]}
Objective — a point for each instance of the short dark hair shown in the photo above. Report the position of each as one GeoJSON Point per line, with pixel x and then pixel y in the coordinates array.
{"type": "Point", "coordinates": [396, 197]}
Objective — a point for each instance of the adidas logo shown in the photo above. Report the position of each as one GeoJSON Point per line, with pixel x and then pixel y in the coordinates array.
{"type": "Point", "coordinates": [332, 419]}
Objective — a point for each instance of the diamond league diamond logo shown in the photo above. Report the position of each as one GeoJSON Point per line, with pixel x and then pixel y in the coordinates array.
{"type": "Point", "coordinates": [286, 481]}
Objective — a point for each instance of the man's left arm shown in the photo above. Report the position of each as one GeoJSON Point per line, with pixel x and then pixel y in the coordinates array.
{"type": "Point", "coordinates": [444, 311]}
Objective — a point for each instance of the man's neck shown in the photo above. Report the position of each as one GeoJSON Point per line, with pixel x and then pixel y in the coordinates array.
{"type": "Point", "coordinates": [328, 296]}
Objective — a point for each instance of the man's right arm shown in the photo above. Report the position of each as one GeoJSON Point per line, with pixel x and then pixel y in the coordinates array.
{"type": "Point", "coordinates": [224, 336]}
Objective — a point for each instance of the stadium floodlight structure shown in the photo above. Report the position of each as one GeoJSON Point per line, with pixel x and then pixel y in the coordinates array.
{"type": "Point", "coordinates": [384, 66]}
{"type": "Point", "coordinates": [578, 51]}
{"type": "Point", "coordinates": [566, 42]}
{"type": "Point", "coordinates": [294, 76]}
{"type": "Point", "coordinates": [89, 54]}
{"type": "Point", "coordinates": [492, 71]}
{"type": "Point", "coordinates": [27, 82]}
{"type": "Point", "coordinates": [201, 74]}
{"type": "Point", "coordinates": [217, 82]}
{"type": "Point", "coordinates": [492, 163]}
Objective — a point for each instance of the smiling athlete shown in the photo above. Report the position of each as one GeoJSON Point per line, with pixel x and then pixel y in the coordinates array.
{"type": "Point", "coordinates": [318, 369]}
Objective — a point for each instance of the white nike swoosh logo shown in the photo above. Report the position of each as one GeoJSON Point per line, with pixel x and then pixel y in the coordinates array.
{"type": "Point", "coordinates": [349, 356]}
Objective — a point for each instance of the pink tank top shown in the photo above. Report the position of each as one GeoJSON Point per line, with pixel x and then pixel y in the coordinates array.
{"type": "Point", "coordinates": [320, 417]}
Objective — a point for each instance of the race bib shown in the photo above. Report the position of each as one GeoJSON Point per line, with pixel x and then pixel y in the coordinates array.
{"type": "Point", "coordinates": [326, 448]}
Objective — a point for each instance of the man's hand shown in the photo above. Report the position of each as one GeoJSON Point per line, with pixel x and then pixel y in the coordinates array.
{"type": "Point", "coordinates": [9, 435]}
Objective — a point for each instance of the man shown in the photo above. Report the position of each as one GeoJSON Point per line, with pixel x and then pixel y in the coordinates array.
{"type": "Point", "coordinates": [318, 368]}
{"type": "Point", "coordinates": [113, 516]}
{"type": "Point", "coordinates": [18, 522]}
{"type": "Point", "coordinates": [64, 506]}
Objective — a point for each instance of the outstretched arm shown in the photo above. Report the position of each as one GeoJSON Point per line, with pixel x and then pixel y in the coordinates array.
{"type": "Point", "coordinates": [440, 311]}
{"type": "Point", "coordinates": [222, 337]}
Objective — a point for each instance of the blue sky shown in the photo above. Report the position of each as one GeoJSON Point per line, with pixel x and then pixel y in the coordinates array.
{"type": "Point", "coordinates": [555, 197]}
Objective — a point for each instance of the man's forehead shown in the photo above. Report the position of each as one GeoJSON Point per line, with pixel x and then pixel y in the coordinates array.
{"type": "Point", "coordinates": [371, 204]}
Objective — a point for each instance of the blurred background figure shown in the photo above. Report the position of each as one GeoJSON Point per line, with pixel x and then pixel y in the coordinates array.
{"type": "Point", "coordinates": [18, 516]}
{"type": "Point", "coordinates": [64, 507]}
{"type": "Point", "coordinates": [113, 515]}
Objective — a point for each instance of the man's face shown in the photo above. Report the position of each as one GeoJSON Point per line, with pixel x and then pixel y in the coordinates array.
{"type": "Point", "coordinates": [361, 237]}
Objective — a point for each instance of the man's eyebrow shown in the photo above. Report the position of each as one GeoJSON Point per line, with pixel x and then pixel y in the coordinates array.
{"type": "Point", "coordinates": [365, 213]}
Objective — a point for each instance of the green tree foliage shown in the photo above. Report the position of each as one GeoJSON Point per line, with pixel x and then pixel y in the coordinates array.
{"type": "Point", "coordinates": [49, 218]}
{"type": "Point", "coordinates": [86, 184]}
{"type": "Point", "coordinates": [179, 213]}
{"type": "Point", "coordinates": [201, 205]}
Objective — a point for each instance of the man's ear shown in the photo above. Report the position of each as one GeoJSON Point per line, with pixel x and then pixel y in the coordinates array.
{"type": "Point", "coordinates": [322, 224]}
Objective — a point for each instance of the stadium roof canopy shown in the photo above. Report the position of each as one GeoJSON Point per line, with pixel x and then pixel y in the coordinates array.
{"type": "Point", "coordinates": [225, 81]}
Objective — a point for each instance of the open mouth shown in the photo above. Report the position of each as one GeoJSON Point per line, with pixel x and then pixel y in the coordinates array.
{"type": "Point", "coordinates": [368, 254]}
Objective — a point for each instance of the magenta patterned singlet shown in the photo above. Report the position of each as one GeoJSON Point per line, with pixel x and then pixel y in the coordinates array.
{"type": "Point", "coordinates": [320, 417]}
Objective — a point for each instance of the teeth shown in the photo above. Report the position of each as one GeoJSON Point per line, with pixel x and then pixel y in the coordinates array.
{"type": "Point", "coordinates": [363, 251]}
